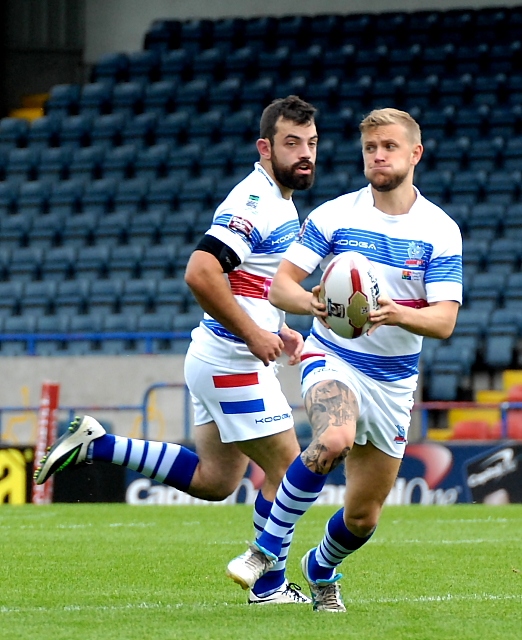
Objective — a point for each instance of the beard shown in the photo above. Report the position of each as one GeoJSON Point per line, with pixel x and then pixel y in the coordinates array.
{"type": "Point", "coordinates": [390, 183]}
{"type": "Point", "coordinates": [289, 178]}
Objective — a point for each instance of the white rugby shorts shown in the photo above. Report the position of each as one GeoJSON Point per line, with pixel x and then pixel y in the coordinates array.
{"type": "Point", "coordinates": [244, 404]}
{"type": "Point", "coordinates": [384, 411]}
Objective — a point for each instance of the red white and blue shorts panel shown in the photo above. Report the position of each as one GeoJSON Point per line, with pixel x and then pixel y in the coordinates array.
{"type": "Point", "coordinates": [244, 404]}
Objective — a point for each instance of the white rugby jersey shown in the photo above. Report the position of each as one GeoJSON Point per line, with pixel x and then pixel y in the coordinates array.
{"type": "Point", "coordinates": [418, 259]}
{"type": "Point", "coordinates": [259, 225]}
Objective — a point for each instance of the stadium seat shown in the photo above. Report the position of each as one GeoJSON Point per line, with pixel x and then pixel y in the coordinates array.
{"type": "Point", "coordinates": [131, 194]}
{"type": "Point", "coordinates": [72, 297]}
{"type": "Point", "coordinates": [19, 326]}
{"type": "Point", "coordinates": [470, 430]}
{"type": "Point", "coordinates": [21, 164]}
{"type": "Point", "coordinates": [467, 187]}
{"type": "Point", "coordinates": [78, 343]}
{"type": "Point", "coordinates": [54, 164]}
{"type": "Point", "coordinates": [228, 33]}
{"type": "Point", "coordinates": [451, 154]}
{"type": "Point", "coordinates": [58, 263]}
{"type": "Point", "coordinates": [145, 228]}
{"type": "Point", "coordinates": [197, 190]}
{"type": "Point", "coordinates": [10, 298]}
{"type": "Point", "coordinates": [38, 297]}
{"type": "Point", "coordinates": [8, 198]}
{"type": "Point", "coordinates": [172, 296]}
{"type": "Point", "coordinates": [107, 129]}
{"type": "Point", "coordinates": [158, 261]}
{"type": "Point", "coordinates": [485, 154]}
{"type": "Point", "coordinates": [92, 262]}
{"type": "Point", "coordinates": [159, 97]}
{"type": "Point", "coordinates": [205, 128]}
{"type": "Point", "coordinates": [127, 97]}
{"type": "Point", "coordinates": [33, 197]}
{"type": "Point", "coordinates": [66, 197]}
{"type": "Point", "coordinates": [484, 221]}
{"type": "Point", "coordinates": [86, 163]}
{"type": "Point", "coordinates": [116, 326]}
{"type": "Point", "coordinates": [163, 192]}
{"type": "Point", "coordinates": [112, 228]}
{"type": "Point", "coordinates": [486, 290]}
{"type": "Point", "coordinates": [504, 255]}
{"type": "Point", "coordinates": [118, 162]}
{"type": "Point", "coordinates": [44, 132]}
{"type": "Point", "coordinates": [196, 34]}
{"type": "Point", "coordinates": [99, 194]}
{"type": "Point", "coordinates": [140, 130]}
{"type": "Point", "coordinates": [191, 96]}
{"type": "Point", "coordinates": [15, 230]}
{"type": "Point", "coordinates": [75, 131]}
{"type": "Point", "coordinates": [474, 254]}
{"type": "Point", "coordinates": [225, 95]}
{"type": "Point", "coordinates": [240, 126]}
{"type": "Point", "coordinates": [503, 187]}
{"type": "Point", "coordinates": [124, 261]}
{"type": "Point", "coordinates": [242, 63]}
{"type": "Point", "coordinates": [151, 162]}
{"type": "Point", "coordinates": [163, 35]}
{"type": "Point", "coordinates": [78, 230]}
{"type": "Point", "coordinates": [172, 128]}
{"type": "Point", "coordinates": [513, 290]}
{"type": "Point", "coordinates": [176, 65]}
{"type": "Point", "coordinates": [138, 296]}
{"type": "Point", "coordinates": [143, 66]}
{"type": "Point", "coordinates": [63, 100]}
{"type": "Point", "coordinates": [46, 230]}
{"type": "Point", "coordinates": [104, 296]}
{"type": "Point", "coordinates": [111, 66]}
{"type": "Point", "coordinates": [216, 160]}
{"type": "Point", "coordinates": [96, 98]}
{"type": "Point", "coordinates": [208, 63]}
{"type": "Point", "coordinates": [13, 133]}
{"type": "Point", "coordinates": [25, 263]}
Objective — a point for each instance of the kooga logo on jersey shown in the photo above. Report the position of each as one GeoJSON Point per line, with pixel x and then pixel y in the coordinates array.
{"type": "Point", "coordinates": [359, 244]}
{"type": "Point", "coordinates": [283, 416]}
{"type": "Point", "coordinates": [289, 236]}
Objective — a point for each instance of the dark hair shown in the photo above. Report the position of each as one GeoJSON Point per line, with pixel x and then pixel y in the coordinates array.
{"type": "Point", "coordinates": [290, 108]}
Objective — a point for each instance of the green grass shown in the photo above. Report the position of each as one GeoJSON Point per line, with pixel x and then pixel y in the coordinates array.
{"type": "Point", "coordinates": [106, 572]}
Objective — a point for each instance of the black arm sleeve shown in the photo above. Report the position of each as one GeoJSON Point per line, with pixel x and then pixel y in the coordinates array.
{"type": "Point", "coordinates": [226, 257]}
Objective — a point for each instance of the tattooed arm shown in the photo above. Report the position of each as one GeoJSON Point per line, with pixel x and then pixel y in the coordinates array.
{"type": "Point", "coordinates": [332, 410]}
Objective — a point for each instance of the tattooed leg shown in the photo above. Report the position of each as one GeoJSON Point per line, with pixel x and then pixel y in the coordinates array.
{"type": "Point", "coordinates": [332, 410]}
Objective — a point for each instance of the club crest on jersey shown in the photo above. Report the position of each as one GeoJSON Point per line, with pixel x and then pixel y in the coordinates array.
{"type": "Point", "coordinates": [301, 232]}
{"type": "Point", "coordinates": [416, 253]}
{"type": "Point", "coordinates": [252, 202]}
{"type": "Point", "coordinates": [241, 225]}
{"type": "Point", "coordinates": [400, 438]}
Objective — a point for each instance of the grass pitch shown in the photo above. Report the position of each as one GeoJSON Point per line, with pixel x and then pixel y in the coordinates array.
{"type": "Point", "coordinates": [105, 572]}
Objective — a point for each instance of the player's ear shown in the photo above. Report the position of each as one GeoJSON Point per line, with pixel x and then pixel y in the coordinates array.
{"type": "Point", "coordinates": [416, 154]}
{"type": "Point", "coordinates": [265, 148]}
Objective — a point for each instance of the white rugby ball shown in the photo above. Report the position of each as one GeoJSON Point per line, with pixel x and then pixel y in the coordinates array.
{"type": "Point", "coordinates": [349, 289]}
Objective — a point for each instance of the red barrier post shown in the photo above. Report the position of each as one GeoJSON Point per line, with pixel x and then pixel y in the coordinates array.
{"type": "Point", "coordinates": [47, 427]}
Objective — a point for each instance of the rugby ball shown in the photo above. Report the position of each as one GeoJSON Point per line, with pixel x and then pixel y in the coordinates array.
{"type": "Point", "coordinates": [349, 289]}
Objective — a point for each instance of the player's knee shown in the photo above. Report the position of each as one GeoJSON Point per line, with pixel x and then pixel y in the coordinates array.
{"type": "Point", "coordinates": [361, 525]}
{"type": "Point", "coordinates": [336, 443]}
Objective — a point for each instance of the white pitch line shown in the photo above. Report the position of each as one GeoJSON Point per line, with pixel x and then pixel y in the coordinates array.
{"type": "Point", "coordinates": [144, 606]}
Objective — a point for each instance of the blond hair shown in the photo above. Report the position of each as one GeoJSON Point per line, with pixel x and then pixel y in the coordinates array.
{"type": "Point", "coordinates": [387, 116]}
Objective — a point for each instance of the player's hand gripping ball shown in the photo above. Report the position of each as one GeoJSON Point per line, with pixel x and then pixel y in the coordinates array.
{"type": "Point", "coordinates": [349, 289]}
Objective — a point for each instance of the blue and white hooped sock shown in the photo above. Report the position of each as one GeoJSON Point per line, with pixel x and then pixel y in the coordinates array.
{"type": "Point", "coordinates": [170, 464]}
{"type": "Point", "coordinates": [298, 491]}
{"type": "Point", "coordinates": [338, 543]}
{"type": "Point", "coordinates": [274, 578]}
